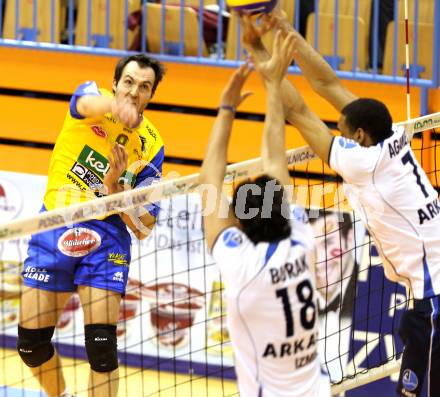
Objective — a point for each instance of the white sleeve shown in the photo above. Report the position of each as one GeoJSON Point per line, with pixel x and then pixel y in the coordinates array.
{"type": "Point", "coordinates": [353, 162]}
{"type": "Point", "coordinates": [301, 229]}
{"type": "Point", "coordinates": [232, 251]}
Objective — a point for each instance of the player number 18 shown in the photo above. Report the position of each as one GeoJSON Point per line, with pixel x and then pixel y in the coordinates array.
{"type": "Point", "coordinates": [304, 292]}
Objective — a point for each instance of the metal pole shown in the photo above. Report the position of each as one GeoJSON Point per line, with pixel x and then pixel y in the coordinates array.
{"type": "Point", "coordinates": [356, 35]}
{"type": "Point", "coordinates": [70, 26]}
{"type": "Point", "coordinates": [336, 36]}
{"type": "Point", "coordinates": [436, 42]}
{"type": "Point", "coordinates": [144, 26]}
{"type": "Point", "coordinates": [89, 22]}
{"type": "Point", "coordinates": [375, 35]}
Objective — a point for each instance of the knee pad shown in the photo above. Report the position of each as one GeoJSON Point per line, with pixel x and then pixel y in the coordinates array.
{"type": "Point", "coordinates": [101, 347]}
{"type": "Point", "coordinates": [34, 345]}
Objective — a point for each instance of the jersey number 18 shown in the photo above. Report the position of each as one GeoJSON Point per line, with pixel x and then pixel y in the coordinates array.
{"type": "Point", "coordinates": [304, 292]}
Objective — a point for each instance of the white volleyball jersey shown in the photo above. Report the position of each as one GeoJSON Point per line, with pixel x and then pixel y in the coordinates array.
{"type": "Point", "coordinates": [390, 191]}
{"type": "Point", "coordinates": [272, 312]}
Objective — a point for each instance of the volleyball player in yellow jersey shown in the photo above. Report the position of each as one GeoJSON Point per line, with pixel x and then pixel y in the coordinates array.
{"type": "Point", "coordinates": [106, 145]}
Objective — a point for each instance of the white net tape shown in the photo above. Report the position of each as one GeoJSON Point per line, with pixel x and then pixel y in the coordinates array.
{"type": "Point", "coordinates": [177, 187]}
{"type": "Point", "coordinates": [130, 199]}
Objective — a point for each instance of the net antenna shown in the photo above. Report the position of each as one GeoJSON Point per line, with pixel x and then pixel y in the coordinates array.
{"type": "Point", "coordinates": [408, 93]}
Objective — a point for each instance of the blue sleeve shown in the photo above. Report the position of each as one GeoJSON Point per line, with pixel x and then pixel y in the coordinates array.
{"type": "Point", "coordinates": [151, 173]}
{"type": "Point", "coordinates": [87, 88]}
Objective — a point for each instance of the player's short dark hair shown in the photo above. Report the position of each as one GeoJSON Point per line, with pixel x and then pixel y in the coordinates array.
{"type": "Point", "coordinates": [370, 115]}
{"type": "Point", "coordinates": [345, 224]}
{"type": "Point", "coordinates": [259, 228]}
{"type": "Point", "coordinates": [144, 62]}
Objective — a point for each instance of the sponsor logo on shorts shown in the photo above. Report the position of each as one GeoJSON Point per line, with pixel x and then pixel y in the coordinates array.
{"type": "Point", "coordinates": [78, 241]}
{"type": "Point", "coordinates": [117, 259]}
{"type": "Point", "coordinates": [34, 273]}
{"type": "Point", "coordinates": [409, 381]}
{"type": "Point", "coordinates": [98, 130]}
{"type": "Point", "coordinates": [232, 239]}
{"type": "Point", "coordinates": [118, 276]}
{"type": "Point", "coordinates": [94, 161]}
{"type": "Point", "coordinates": [11, 201]}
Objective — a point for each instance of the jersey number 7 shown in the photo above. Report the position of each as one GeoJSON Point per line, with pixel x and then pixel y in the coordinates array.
{"type": "Point", "coordinates": [304, 292]}
{"type": "Point", "coordinates": [408, 158]}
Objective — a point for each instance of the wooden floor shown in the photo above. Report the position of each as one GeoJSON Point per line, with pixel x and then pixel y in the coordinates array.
{"type": "Point", "coordinates": [134, 382]}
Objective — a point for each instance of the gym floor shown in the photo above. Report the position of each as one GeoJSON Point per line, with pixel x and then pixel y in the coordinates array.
{"type": "Point", "coordinates": [134, 382]}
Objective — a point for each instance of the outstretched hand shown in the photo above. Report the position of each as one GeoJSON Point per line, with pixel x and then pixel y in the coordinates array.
{"type": "Point", "coordinates": [231, 95]}
{"type": "Point", "coordinates": [117, 159]}
{"type": "Point", "coordinates": [274, 69]}
{"type": "Point", "coordinates": [252, 33]}
{"type": "Point", "coordinates": [278, 20]}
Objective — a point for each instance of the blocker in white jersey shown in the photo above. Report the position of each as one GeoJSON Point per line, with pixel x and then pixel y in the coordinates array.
{"type": "Point", "coordinates": [272, 312]}
{"type": "Point", "coordinates": [264, 257]}
{"type": "Point", "coordinates": [387, 187]}
{"type": "Point", "coordinates": [390, 191]}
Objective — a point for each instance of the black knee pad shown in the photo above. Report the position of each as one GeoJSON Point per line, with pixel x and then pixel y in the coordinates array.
{"type": "Point", "coordinates": [101, 347]}
{"type": "Point", "coordinates": [34, 345]}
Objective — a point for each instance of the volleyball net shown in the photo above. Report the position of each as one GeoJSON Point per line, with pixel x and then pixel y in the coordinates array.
{"type": "Point", "coordinates": [172, 317]}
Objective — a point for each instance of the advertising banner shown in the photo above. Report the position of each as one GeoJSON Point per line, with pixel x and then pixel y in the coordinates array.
{"type": "Point", "coordinates": [173, 314]}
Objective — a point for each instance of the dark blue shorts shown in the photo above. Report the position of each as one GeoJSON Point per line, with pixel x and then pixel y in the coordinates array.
{"type": "Point", "coordinates": [420, 332]}
{"type": "Point", "coordinates": [94, 253]}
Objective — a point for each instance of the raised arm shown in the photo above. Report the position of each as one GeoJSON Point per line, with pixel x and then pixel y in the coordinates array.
{"type": "Point", "coordinates": [296, 111]}
{"type": "Point", "coordinates": [217, 213]}
{"type": "Point", "coordinates": [88, 102]}
{"type": "Point", "coordinates": [315, 69]}
{"type": "Point", "coordinates": [292, 101]}
{"type": "Point", "coordinates": [273, 71]}
{"type": "Point", "coordinates": [314, 131]}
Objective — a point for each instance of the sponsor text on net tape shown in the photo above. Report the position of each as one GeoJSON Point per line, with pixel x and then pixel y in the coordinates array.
{"type": "Point", "coordinates": [129, 199]}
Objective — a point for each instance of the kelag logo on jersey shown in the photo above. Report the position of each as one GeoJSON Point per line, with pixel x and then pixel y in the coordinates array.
{"type": "Point", "coordinates": [90, 160]}
{"type": "Point", "coordinates": [232, 239]}
{"type": "Point", "coordinates": [347, 143]}
{"type": "Point", "coordinates": [94, 161]}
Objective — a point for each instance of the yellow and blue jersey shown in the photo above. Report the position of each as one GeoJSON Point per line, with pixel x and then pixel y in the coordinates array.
{"type": "Point", "coordinates": [79, 161]}
{"type": "Point", "coordinates": [59, 260]}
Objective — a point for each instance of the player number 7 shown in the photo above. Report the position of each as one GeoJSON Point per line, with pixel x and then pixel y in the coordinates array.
{"type": "Point", "coordinates": [408, 158]}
